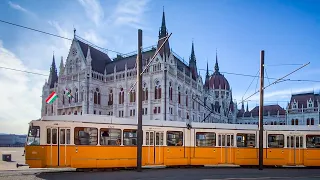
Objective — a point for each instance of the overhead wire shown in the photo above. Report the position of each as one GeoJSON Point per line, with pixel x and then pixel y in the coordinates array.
{"type": "Point", "coordinates": [33, 29]}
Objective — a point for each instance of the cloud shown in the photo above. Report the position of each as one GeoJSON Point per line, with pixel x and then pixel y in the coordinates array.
{"type": "Point", "coordinates": [20, 99]}
{"type": "Point", "coordinates": [19, 8]}
{"type": "Point", "coordinates": [279, 95]}
{"type": "Point", "coordinates": [130, 12]}
{"type": "Point", "coordinates": [62, 32]}
{"type": "Point", "coordinates": [94, 38]}
{"type": "Point", "coordinates": [93, 10]}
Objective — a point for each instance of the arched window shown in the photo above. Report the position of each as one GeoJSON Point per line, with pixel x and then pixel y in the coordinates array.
{"type": "Point", "coordinates": [187, 98]}
{"type": "Point", "coordinates": [275, 123]}
{"type": "Point", "coordinates": [157, 90]}
{"type": "Point", "coordinates": [97, 96]}
{"type": "Point", "coordinates": [63, 93]}
{"type": "Point", "coordinates": [297, 122]}
{"type": "Point", "coordinates": [121, 96]}
{"type": "Point", "coordinates": [179, 95]}
{"type": "Point", "coordinates": [81, 96]}
{"type": "Point", "coordinates": [110, 101]}
{"type": "Point", "coordinates": [76, 96]}
{"type": "Point", "coordinates": [69, 99]}
{"type": "Point", "coordinates": [193, 105]}
{"type": "Point", "coordinates": [292, 121]}
{"type": "Point", "coordinates": [132, 95]}
{"type": "Point", "coordinates": [308, 121]}
{"type": "Point", "coordinates": [170, 91]}
{"type": "Point", "coordinates": [145, 92]}
{"type": "Point", "coordinates": [312, 121]}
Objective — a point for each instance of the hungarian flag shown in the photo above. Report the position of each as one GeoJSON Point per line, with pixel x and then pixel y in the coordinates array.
{"type": "Point", "coordinates": [52, 97]}
{"type": "Point", "coordinates": [69, 94]}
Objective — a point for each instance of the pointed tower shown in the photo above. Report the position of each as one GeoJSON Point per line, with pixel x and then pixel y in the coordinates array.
{"type": "Point", "coordinates": [216, 66]}
{"type": "Point", "coordinates": [61, 67]}
{"type": "Point", "coordinates": [247, 110]}
{"type": "Point", "coordinates": [193, 63]}
{"type": "Point", "coordinates": [162, 34]}
{"type": "Point", "coordinates": [206, 84]}
{"type": "Point", "coordinates": [53, 77]}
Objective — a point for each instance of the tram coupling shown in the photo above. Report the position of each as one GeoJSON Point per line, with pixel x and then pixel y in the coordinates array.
{"type": "Point", "coordinates": [19, 165]}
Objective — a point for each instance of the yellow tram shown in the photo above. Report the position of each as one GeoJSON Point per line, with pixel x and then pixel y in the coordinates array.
{"type": "Point", "coordinates": [92, 141]}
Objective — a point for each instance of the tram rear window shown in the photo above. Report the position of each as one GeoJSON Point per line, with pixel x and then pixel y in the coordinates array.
{"type": "Point", "coordinates": [33, 136]}
{"type": "Point", "coordinates": [313, 141]}
{"type": "Point", "coordinates": [174, 138]}
{"type": "Point", "coordinates": [246, 140]}
{"type": "Point", "coordinates": [206, 139]}
{"type": "Point", "coordinates": [85, 136]}
{"type": "Point", "coordinates": [275, 140]}
{"type": "Point", "coordinates": [110, 137]}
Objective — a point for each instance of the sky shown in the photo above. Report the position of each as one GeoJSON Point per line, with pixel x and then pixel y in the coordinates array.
{"type": "Point", "coordinates": [288, 32]}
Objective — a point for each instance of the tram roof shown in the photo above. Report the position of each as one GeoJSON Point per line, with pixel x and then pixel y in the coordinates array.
{"type": "Point", "coordinates": [104, 119]}
{"type": "Point", "coordinates": [291, 128]}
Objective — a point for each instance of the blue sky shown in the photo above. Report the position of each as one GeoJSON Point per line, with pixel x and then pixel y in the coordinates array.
{"type": "Point", "coordinates": [288, 31]}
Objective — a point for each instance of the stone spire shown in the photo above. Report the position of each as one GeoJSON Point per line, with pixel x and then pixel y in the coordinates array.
{"type": "Point", "coordinates": [163, 32]}
{"type": "Point", "coordinates": [247, 107]}
{"type": "Point", "coordinates": [163, 29]}
{"type": "Point", "coordinates": [61, 67]}
{"type": "Point", "coordinates": [193, 63]}
{"type": "Point", "coordinates": [53, 77]}
{"type": "Point", "coordinates": [207, 74]}
{"type": "Point", "coordinates": [216, 66]}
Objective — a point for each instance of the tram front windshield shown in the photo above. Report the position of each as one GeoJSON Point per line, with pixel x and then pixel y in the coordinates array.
{"type": "Point", "coordinates": [33, 136]}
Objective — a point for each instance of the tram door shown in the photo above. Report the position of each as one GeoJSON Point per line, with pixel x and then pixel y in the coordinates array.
{"type": "Point", "coordinates": [57, 140]}
{"type": "Point", "coordinates": [226, 142]}
{"type": "Point", "coordinates": [295, 145]}
{"type": "Point", "coordinates": [154, 143]}
{"type": "Point", "coordinates": [64, 141]}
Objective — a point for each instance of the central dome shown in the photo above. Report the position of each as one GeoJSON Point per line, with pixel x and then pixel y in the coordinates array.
{"type": "Point", "coordinates": [218, 81]}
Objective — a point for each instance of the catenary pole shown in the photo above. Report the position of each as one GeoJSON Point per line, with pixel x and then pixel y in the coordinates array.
{"type": "Point", "coordinates": [139, 104]}
{"type": "Point", "coordinates": [261, 110]}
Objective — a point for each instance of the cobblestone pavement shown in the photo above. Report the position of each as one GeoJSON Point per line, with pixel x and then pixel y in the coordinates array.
{"type": "Point", "coordinates": [169, 174]}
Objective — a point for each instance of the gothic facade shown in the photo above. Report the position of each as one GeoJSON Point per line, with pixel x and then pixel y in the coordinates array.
{"type": "Point", "coordinates": [173, 90]}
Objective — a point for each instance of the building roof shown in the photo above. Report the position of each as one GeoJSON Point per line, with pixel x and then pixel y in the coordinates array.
{"type": "Point", "coordinates": [302, 99]}
{"type": "Point", "coordinates": [272, 109]}
{"type": "Point", "coordinates": [99, 59]}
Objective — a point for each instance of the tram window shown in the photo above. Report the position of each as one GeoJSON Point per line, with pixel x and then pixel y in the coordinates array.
{"type": "Point", "coordinates": [149, 138]}
{"type": "Point", "coordinates": [110, 137]}
{"type": "Point", "coordinates": [62, 136]}
{"type": "Point", "coordinates": [174, 138]}
{"type": "Point", "coordinates": [68, 136]}
{"type": "Point", "coordinates": [275, 140]}
{"type": "Point", "coordinates": [85, 136]}
{"type": "Point", "coordinates": [313, 141]}
{"type": "Point", "coordinates": [48, 136]}
{"type": "Point", "coordinates": [205, 139]}
{"type": "Point", "coordinates": [54, 136]}
{"type": "Point", "coordinates": [33, 136]}
{"type": "Point", "coordinates": [290, 141]}
{"type": "Point", "coordinates": [129, 137]}
{"type": "Point", "coordinates": [246, 140]}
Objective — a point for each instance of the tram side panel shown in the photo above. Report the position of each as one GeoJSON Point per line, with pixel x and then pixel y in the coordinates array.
{"type": "Point", "coordinates": [275, 153]}
{"type": "Point", "coordinates": [203, 147]}
{"type": "Point", "coordinates": [177, 151]}
{"type": "Point", "coordinates": [247, 147]}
